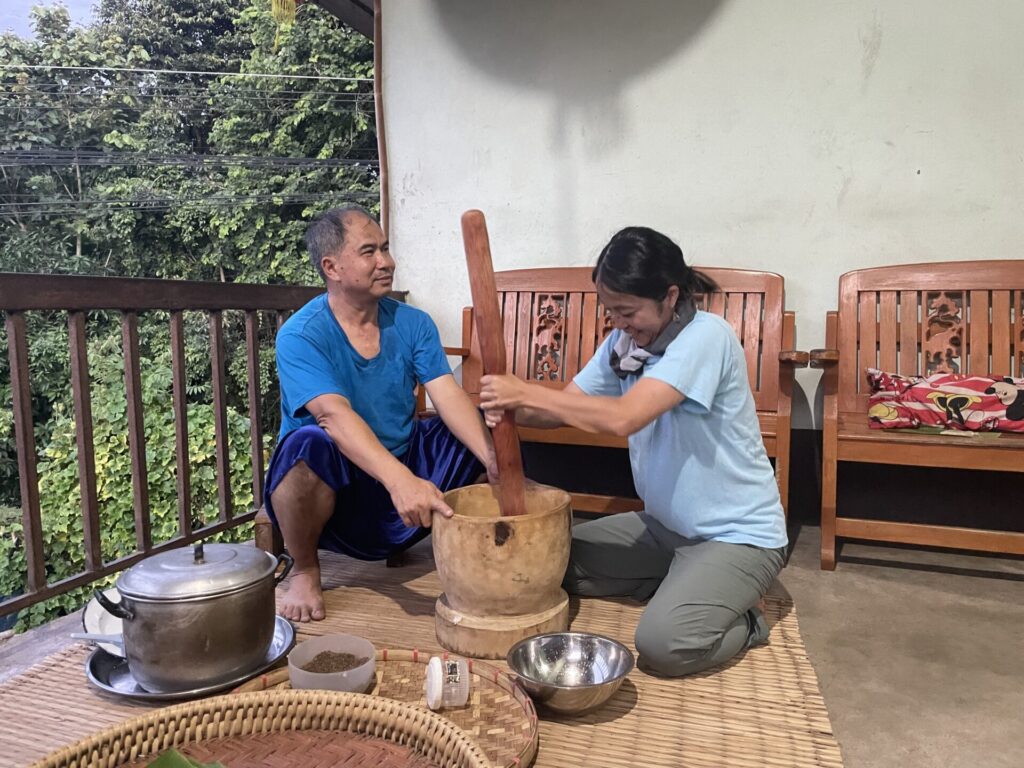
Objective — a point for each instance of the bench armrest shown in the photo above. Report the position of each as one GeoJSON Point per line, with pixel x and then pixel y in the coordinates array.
{"type": "Point", "coordinates": [794, 357]}
{"type": "Point", "coordinates": [823, 358]}
{"type": "Point", "coordinates": [462, 352]}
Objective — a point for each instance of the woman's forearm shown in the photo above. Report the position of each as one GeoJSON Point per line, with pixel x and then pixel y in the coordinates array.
{"type": "Point", "coordinates": [592, 414]}
{"type": "Point", "coordinates": [531, 417]}
{"type": "Point", "coordinates": [546, 407]}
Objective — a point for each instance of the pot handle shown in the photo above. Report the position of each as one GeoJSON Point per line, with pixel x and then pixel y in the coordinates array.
{"type": "Point", "coordinates": [113, 608]}
{"type": "Point", "coordinates": [288, 561]}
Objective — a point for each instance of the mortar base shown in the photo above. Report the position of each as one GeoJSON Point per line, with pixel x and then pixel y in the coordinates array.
{"type": "Point", "coordinates": [490, 637]}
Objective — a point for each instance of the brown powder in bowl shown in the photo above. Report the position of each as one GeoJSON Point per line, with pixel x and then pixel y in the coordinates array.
{"type": "Point", "coordinates": [329, 661]}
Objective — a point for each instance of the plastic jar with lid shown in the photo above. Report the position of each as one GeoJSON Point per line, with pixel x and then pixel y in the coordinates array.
{"type": "Point", "coordinates": [447, 683]}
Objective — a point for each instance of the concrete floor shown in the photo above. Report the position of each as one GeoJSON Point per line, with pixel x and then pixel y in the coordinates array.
{"type": "Point", "coordinates": [920, 654]}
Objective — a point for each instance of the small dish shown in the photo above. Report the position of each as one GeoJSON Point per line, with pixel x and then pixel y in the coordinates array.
{"type": "Point", "coordinates": [98, 621]}
{"type": "Point", "coordinates": [356, 680]}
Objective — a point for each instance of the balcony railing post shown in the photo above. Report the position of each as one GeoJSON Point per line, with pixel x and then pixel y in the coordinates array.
{"type": "Point", "coordinates": [252, 349]}
{"type": "Point", "coordinates": [220, 415]}
{"type": "Point", "coordinates": [179, 396]}
{"type": "Point", "coordinates": [136, 429]}
{"type": "Point", "coordinates": [84, 439]}
{"type": "Point", "coordinates": [24, 438]}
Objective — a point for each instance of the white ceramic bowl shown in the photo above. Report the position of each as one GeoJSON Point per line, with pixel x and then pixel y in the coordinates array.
{"type": "Point", "coordinates": [96, 620]}
{"type": "Point", "coordinates": [357, 680]}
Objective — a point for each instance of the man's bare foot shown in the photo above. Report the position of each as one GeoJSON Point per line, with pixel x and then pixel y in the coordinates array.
{"type": "Point", "coordinates": [304, 600]}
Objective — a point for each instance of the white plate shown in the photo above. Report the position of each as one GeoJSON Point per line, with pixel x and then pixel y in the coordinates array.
{"type": "Point", "coordinates": [97, 620]}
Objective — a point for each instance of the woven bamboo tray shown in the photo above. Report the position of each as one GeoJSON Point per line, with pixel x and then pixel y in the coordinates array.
{"type": "Point", "coordinates": [281, 728]}
{"type": "Point", "coordinates": [499, 717]}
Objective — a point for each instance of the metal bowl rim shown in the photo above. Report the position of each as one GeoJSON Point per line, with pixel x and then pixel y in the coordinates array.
{"type": "Point", "coordinates": [612, 641]}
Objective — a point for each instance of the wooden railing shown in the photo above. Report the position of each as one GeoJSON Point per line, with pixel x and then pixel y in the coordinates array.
{"type": "Point", "coordinates": [76, 296]}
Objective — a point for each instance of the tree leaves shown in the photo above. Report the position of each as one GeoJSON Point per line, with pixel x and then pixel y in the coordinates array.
{"type": "Point", "coordinates": [223, 222]}
{"type": "Point", "coordinates": [104, 216]}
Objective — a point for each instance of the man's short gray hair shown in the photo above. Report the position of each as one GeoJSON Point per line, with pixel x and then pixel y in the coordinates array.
{"type": "Point", "coordinates": [326, 235]}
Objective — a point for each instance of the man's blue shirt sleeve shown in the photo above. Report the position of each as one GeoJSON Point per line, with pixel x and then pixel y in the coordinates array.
{"type": "Point", "coordinates": [428, 358]}
{"type": "Point", "coordinates": [305, 373]}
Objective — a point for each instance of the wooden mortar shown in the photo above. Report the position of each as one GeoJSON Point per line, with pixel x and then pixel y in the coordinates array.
{"type": "Point", "coordinates": [501, 575]}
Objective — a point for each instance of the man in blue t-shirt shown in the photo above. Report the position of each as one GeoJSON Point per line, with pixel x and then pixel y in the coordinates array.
{"type": "Point", "coordinates": [355, 471]}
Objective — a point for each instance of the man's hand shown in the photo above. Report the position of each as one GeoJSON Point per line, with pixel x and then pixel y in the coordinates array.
{"type": "Point", "coordinates": [492, 466]}
{"type": "Point", "coordinates": [417, 500]}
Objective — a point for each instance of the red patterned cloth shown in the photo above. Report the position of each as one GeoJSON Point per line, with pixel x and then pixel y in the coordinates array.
{"type": "Point", "coordinates": [949, 400]}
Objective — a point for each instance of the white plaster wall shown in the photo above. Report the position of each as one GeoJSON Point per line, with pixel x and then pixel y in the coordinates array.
{"type": "Point", "coordinates": [807, 137]}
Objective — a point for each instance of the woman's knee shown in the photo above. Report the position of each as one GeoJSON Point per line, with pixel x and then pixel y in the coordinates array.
{"type": "Point", "coordinates": [665, 652]}
{"type": "Point", "coordinates": [688, 641]}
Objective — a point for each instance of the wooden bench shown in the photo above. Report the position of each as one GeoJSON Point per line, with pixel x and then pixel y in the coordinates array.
{"type": "Point", "coordinates": [554, 323]}
{"type": "Point", "coordinates": [918, 319]}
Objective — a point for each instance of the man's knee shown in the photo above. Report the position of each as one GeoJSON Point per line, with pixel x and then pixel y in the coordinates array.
{"type": "Point", "coordinates": [306, 444]}
{"type": "Point", "coordinates": [301, 485]}
{"type": "Point", "coordinates": [309, 435]}
{"type": "Point", "coordinates": [300, 480]}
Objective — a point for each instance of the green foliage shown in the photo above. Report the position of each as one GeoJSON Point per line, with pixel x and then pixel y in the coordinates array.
{"type": "Point", "coordinates": [209, 221]}
{"type": "Point", "coordinates": [59, 482]}
{"type": "Point", "coordinates": [325, 119]}
{"type": "Point", "coordinates": [195, 36]}
{"type": "Point", "coordinates": [56, 110]}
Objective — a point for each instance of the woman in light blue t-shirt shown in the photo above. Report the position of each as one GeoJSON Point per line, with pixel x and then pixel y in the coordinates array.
{"type": "Point", "coordinates": [672, 378]}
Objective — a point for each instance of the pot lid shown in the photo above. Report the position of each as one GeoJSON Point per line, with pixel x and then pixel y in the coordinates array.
{"type": "Point", "coordinates": [197, 571]}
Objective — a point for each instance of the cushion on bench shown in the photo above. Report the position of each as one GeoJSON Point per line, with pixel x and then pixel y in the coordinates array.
{"type": "Point", "coordinates": [948, 400]}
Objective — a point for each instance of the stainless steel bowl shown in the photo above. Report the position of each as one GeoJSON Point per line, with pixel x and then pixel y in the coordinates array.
{"type": "Point", "coordinates": [570, 672]}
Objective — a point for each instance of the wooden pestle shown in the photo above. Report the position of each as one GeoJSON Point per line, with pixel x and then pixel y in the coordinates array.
{"type": "Point", "coordinates": [487, 320]}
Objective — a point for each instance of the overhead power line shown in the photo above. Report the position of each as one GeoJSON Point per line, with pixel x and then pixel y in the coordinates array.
{"type": "Point", "coordinates": [156, 205]}
{"type": "Point", "coordinates": [183, 99]}
{"type": "Point", "coordinates": [92, 92]}
{"type": "Point", "coordinates": [65, 157]}
{"type": "Point", "coordinates": [195, 106]}
{"type": "Point", "coordinates": [204, 73]}
{"type": "Point", "coordinates": [220, 199]}
{"type": "Point", "coordinates": [22, 84]}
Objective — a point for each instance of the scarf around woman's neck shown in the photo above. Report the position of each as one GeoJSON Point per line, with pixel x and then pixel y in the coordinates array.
{"type": "Point", "coordinates": [628, 359]}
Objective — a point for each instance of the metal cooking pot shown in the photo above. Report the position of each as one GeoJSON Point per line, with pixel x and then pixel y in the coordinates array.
{"type": "Point", "coordinates": [198, 617]}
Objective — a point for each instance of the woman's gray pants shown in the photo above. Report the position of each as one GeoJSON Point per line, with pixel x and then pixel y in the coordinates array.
{"type": "Point", "coordinates": [702, 612]}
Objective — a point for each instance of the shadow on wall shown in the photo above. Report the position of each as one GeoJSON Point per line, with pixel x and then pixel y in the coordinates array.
{"type": "Point", "coordinates": [584, 53]}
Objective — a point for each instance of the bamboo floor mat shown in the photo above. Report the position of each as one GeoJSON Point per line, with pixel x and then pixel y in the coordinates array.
{"type": "Point", "coordinates": [762, 710]}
